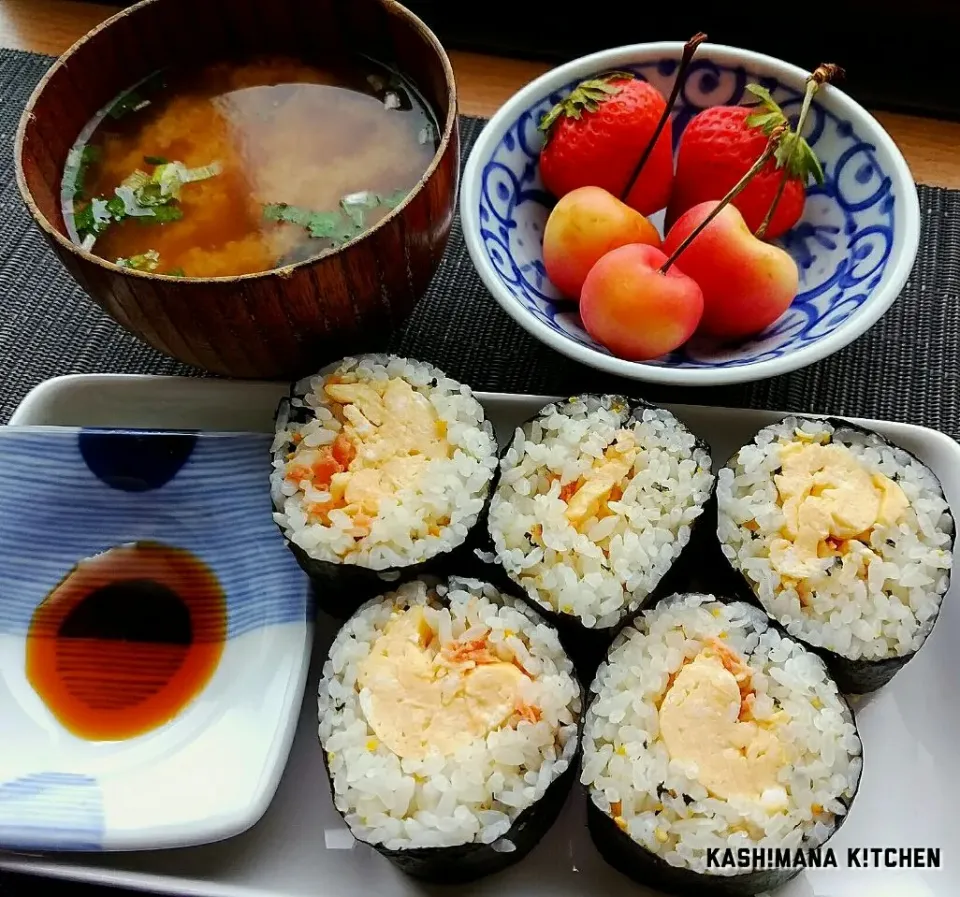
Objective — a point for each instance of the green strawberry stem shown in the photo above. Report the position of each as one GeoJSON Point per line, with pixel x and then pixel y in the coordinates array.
{"type": "Point", "coordinates": [585, 97]}
{"type": "Point", "coordinates": [821, 75]}
{"type": "Point", "coordinates": [689, 49]}
{"type": "Point", "coordinates": [775, 137]}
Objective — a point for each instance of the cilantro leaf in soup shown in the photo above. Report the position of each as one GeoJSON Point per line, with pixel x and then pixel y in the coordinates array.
{"type": "Point", "coordinates": [282, 212]}
{"type": "Point", "coordinates": [84, 221]}
{"type": "Point", "coordinates": [114, 208]}
{"type": "Point", "coordinates": [145, 261]}
{"type": "Point", "coordinates": [92, 219]}
{"type": "Point", "coordinates": [75, 171]}
{"type": "Point", "coordinates": [133, 204]}
{"type": "Point", "coordinates": [392, 200]}
{"type": "Point", "coordinates": [332, 226]}
{"type": "Point", "coordinates": [149, 195]}
{"type": "Point", "coordinates": [175, 272]}
{"type": "Point", "coordinates": [162, 215]}
{"type": "Point", "coordinates": [339, 226]}
{"type": "Point", "coordinates": [155, 160]}
{"type": "Point", "coordinates": [356, 205]}
{"type": "Point", "coordinates": [147, 198]}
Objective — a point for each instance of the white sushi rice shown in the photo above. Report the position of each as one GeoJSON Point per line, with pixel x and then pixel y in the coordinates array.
{"type": "Point", "coordinates": [475, 794]}
{"type": "Point", "coordinates": [604, 568]}
{"type": "Point", "coordinates": [405, 531]}
{"type": "Point", "coordinates": [887, 613]}
{"type": "Point", "coordinates": [664, 808]}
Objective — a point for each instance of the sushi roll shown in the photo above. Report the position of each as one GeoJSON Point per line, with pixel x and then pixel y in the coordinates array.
{"type": "Point", "coordinates": [450, 721]}
{"type": "Point", "coordinates": [843, 538]}
{"type": "Point", "coordinates": [382, 466]}
{"type": "Point", "coordinates": [709, 728]}
{"type": "Point", "coordinates": [597, 498]}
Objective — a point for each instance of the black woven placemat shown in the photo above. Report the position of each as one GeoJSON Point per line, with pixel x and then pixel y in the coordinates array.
{"type": "Point", "coordinates": [906, 368]}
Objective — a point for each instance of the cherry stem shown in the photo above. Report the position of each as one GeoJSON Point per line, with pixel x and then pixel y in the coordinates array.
{"type": "Point", "coordinates": [762, 160]}
{"type": "Point", "coordinates": [689, 49]}
{"type": "Point", "coordinates": [821, 75]}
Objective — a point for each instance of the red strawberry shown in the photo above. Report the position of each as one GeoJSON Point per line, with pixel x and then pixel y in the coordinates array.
{"type": "Point", "coordinates": [596, 136]}
{"type": "Point", "coordinates": [718, 147]}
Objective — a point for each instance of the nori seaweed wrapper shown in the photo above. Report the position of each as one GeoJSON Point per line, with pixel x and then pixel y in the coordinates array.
{"type": "Point", "coordinates": [468, 862]}
{"type": "Point", "coordinates": [646, 868]}
{"type": "Point", "coordinates": [861, 676]}
{"type": "Point", "coordinates": [588, 645]}
{"type": "Point", "coordinates": [341, 588]}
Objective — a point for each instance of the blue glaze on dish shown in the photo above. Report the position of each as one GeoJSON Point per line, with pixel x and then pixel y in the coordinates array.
{"type": "Point", "coordinates": [51, 810]}
{"type": "Point", "coordinates": [67, 494]}
{"type": "Point", "coordinates": [842, 244]}
{"type": "Point", "coordinates": [135, 462]}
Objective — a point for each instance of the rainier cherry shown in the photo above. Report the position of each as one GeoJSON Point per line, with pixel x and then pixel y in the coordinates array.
{"type": "Point", "coordinates": [634, 308]}
{"type": "Point", "coordinates": [584, 225]}
{"type": "Point", "coordinates": [747, 283]}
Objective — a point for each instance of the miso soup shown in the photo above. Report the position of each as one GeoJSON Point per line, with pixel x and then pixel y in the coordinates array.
{"type": "Point", "coordinates": [239, 167]}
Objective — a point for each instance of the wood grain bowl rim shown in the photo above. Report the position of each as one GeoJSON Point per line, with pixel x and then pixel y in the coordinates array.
{"type": "Point", "coordinates": [392, 7]}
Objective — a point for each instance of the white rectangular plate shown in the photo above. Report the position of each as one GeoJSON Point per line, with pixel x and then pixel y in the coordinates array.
{"type": "Point", "coordinates": [908, 796]}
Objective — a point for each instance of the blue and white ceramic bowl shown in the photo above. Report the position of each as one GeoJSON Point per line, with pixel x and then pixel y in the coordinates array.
{"type": "Point", "coordinates": [210, 770]}
{"type": "Point", "coordinates": [855, 244]}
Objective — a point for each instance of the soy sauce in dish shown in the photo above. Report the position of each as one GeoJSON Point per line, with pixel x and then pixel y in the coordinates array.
{"type": "Point", "coordinates": [239, 167]}
{"type": "Point", "coordinates": [126, 640]}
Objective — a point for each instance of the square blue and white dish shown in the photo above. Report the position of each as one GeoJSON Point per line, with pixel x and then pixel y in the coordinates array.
{"type": "Point", "coordinates": [155, 636]}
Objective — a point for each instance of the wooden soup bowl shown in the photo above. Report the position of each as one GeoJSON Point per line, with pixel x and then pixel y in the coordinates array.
{"type": "Point", "coordinates": [283, 323]}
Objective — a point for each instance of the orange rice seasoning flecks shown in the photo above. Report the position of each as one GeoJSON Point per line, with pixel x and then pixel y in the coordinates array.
{"type": "Point", "coordinates": [476, 650]}
{"type": "Point", "coordinates": [318, 468]}
{"type": "Point", "coordinates": [528, 712]}
{"type": "Point", "coordinates": [733, 664]}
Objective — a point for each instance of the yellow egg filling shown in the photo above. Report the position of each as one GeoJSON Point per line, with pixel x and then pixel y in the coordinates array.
{"type": "Point", "coordinates": [705, 721]}
{"type": "Point", "coordinates": [828, 497]}
{"type": "Point", "coordinates": [424, 696]}
{"type": "Point", "coordinates": [587, 498]}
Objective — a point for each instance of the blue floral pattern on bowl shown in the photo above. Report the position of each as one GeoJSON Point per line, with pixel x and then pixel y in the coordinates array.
{"type": "Point", "coordinates": [842, 245]}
